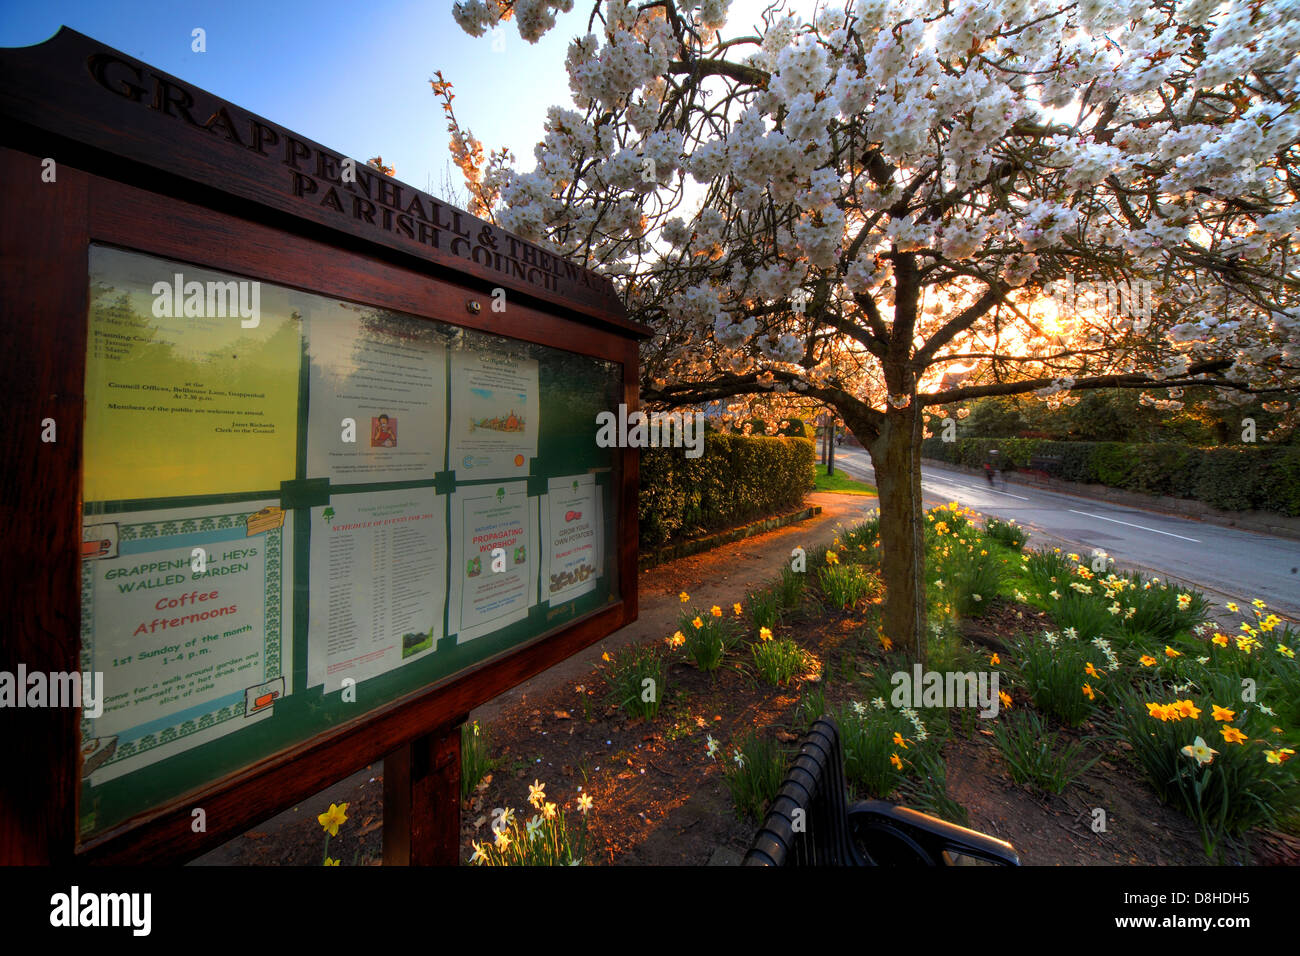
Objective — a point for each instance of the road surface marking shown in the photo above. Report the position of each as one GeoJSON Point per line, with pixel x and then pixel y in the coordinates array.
{"type": "Point", "coordinates": [1140, 527]}
{"type": "Point", "coordinates": [975, 488]}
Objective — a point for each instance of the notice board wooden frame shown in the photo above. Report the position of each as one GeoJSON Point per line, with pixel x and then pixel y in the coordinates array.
{"type": "Point", "coordinates": [130, 173]}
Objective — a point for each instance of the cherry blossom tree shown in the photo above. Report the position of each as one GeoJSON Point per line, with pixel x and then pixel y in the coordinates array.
{"type": "Point", "coordinates": [901, 204]}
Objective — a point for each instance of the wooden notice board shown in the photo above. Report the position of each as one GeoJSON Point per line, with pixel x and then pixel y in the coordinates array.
{"type": "Point", "coordinates": [301, 468]}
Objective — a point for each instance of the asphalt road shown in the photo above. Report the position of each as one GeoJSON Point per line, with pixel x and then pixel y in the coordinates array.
{"type": "Point", "coordinates": [1227, 562]}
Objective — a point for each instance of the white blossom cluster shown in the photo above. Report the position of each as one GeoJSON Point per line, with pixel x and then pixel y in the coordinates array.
{"type": "Point", "coordinates": [877, 114]}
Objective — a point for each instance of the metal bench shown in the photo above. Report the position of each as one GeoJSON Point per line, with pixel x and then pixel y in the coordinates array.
{"type": "Point", "coordinates": [810, 823]}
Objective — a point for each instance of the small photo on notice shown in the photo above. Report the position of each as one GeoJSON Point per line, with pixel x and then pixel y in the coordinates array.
{"type": "Point", "coordinates": [383, 432]}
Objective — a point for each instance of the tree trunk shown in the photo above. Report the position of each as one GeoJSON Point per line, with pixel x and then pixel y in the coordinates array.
{"type": "Point", "coordinates": [896, 456]}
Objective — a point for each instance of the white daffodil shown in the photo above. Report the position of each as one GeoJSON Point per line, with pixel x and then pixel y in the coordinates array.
{"type": "Point", "coordinates": [1199, 751]}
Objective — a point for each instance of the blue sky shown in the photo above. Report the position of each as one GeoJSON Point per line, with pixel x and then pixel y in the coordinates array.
{"type": "Point", "coordinates": [353, 77]}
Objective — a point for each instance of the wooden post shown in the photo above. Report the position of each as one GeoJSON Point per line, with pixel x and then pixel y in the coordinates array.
{"type": "Point", "coordinates": [422, 800]}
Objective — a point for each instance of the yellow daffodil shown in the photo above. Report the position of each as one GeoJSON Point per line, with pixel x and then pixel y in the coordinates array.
{"type": "Point", "coordinates": [1279, 756]}
{"type": "Point", "coordinates": [1087, 691]}
{"type": "Point", "coordinates": [1259, 604]}
{"type": "Point", "coordinates": [1220, 639]}
{"type": "Point", "coordinates": [1146, 660]}
{"type": "Point", "coordinates": [736, 608]}
{"type": "Point", "coordinates": [832, 557]}
{"type": "Point", "coordinates": [765, 633]}
{"type": "Point", "coordinates": [1170, 652]}
{"type": "Point", "coordinates": [683, 597]}
{"type": "Point", "coordinates": [1187, 709]}
{"type": "Point", "coordinates": [697, 623]}
{"type": "Point", "coordinates": [899, 741]}
{"type": "Point", "coordinates": [898, 764]}
{"type": "Point", "coordinates": [332, 818]}
{"type": "Point", "coordinates": [1285, 651]}
{"type": "Point", "coordinates": [1090, 670]}
{"type": "Point", "coordinates": [886, 643]}
{"type": "Point", "coordinates": [537, 793]}
{"type": "Point", "coordinates": [1231, 606]}
{"type": "Point", "coordinates": [1005, 698]}
{"type": "Point", "coordinates": [605, 657]}
{"type": "Point", "coordinates": [715, 611]}
{"type": "Point", "coordinates": [1232, 735]}
{"type": "Point", "coordinates": [549, 811]}
{"type": "Point", "coordinates": [1222, 713]}
{"type": "Point", "coordinates": [995, 660]}
{"type": "Point", "coordinates": [330, 861]}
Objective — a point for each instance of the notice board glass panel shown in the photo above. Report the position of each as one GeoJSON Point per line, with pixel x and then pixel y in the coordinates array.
{"type": "Point", "coordinates": [298, 509]}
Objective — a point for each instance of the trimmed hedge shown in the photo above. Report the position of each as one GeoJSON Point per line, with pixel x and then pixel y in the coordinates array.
{"type": "Point", "coordinates": [1230, 477]}
{"type": "Point", "coordinates": [738, 479]}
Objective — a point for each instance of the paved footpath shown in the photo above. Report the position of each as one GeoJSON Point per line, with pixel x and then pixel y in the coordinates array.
{"type": "Point", "coordinates": [720, 576]}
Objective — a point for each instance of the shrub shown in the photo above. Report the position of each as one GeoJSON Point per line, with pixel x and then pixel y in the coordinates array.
{"type": "Point", "coordinates": [779, 660]}
{"type": "Point", "coordinates": [737, 479]}
{"type": "Point", "coordinates": [754, 770]}
{"type": "Point", "coordinates": [1006, 533]}
{"type": "Point", "coordinates": [628, 677]}
{"type": "Point", "coordinates": [475, 757]}
{"type": "Point", "coordinates": [844, 584]}
{"type": "Point", "coordinates": [707, 638]}
{"type": "Point", "coordinates": [1054, 669]}
{"type": "Point", "coordinates": [1036, 755]}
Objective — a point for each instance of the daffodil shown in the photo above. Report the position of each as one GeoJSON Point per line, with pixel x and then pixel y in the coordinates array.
{"type": "Point", "coordinates": [1231, 606]}
{"type": "Point", "coordinates": [549, 811]}
{"type": "Point", "coordinates": [715, 611]}
{"type": "Point", "coordinates": [1146, 660]}
{"type": "Point", "coordinates": [1220, 639]}
{"type": "Point", "coordinates": [1170, 652]}
{"type": "Point", "coordinates": [1199, 751]}
{"type": "Point", "coordinates": [1005, 698]}
{"type": "Point", "coordinates": [1232, 735]}
{"type": "Point", "coordinates": [899, 741]}
{"type": "Point", "coordinates": [537, 793]}
{"type": "Point", "coordinates": [479, 856]}
{"type": "Point", "coordinates": [995, 660]}
{"type": "Point", "coordinates": [1088, 692]}
{"type": "Point", "coordinates": [736, 607]}
{"type": "Point", "coordinates": [330, 861]}
{"type": "Point", "coordinates": [1279, 756]}
{"type": "Point", "coordinates": [332, 818]}
{"type": "Point", "coordinates": [1222, 713]}
{"type": "Point", "coordinates": [886, 643]}
{"type": "Point", "coordinates": [1285, 651]}
{"type": "Point", "coordinates": [503, 839]}
{"type": "Point", "coordinates": [697, 623]}
{"type": "Point", "coordinates": [534, 828]}
{"type": "Point", "coordinates": [1186, 708]}
{"type": "Point", "coordinates": [713, 747]}
{"type": "Point", "coordinates": [585, 803]}
{"type": "Point", "coordinates": [832, 557]}
{"type": "Point", "coordinates": [683, 597]}
{"type": "Point", "coordinates": [894, 759]}
{"type": "Point", "coordinates": [1090, 670]}
{"type": "Point", "coordinates": [605, 657]}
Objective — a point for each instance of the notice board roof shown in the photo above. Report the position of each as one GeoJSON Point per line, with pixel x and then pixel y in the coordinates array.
{"type": "Point", "coordinates": [95, 106]}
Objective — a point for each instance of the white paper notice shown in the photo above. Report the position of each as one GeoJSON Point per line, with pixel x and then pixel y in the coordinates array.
{"type": "Point", "coordinates": [378, 583]}
{"type": "Point", "coordinates": [494, 415]}
{"type": "Point", "coordinates": [572, 535]}
{"type": "Point", "coordinates": [494, 570]}
{"type": "Point", "coordinates": [386, 374]}
{"type": "Point", "coordinates": [191, 646]}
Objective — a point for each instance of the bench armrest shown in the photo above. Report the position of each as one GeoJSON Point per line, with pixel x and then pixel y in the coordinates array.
{"type": "Point", "coordinates": [893, 835]}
